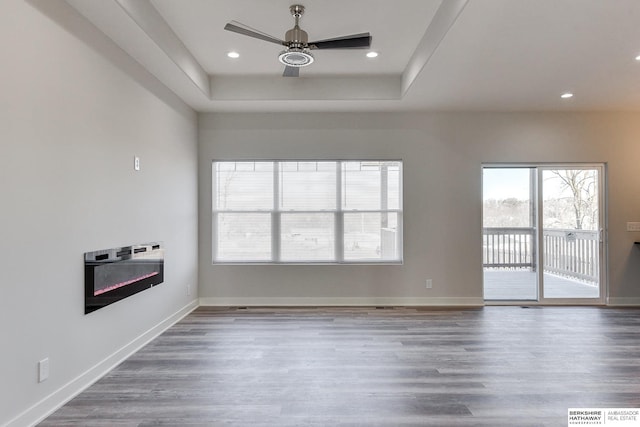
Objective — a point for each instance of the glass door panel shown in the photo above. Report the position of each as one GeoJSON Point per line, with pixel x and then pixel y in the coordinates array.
{"type": "Point", "coordinates": [571, 223]}
{"type": "Point", "coordinates": [509, 234]}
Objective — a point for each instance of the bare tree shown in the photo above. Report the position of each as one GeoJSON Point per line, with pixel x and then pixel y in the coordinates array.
{"type": "Point", "coordinates": [582, 183]}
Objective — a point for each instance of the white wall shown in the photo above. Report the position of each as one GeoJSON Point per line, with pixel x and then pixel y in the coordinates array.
{"type": "Point", "coordinates": [443, 156]}
{"type": "Point", "coordinates": [71, 121]}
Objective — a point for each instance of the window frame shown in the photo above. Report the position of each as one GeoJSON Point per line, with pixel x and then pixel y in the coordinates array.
{"type": "Point", "coordinates": [338, 216]}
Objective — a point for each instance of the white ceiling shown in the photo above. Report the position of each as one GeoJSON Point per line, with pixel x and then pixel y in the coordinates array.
{"type": "Point", "coordinates": [199, 24]}
{"type": "Point", "coordinates": [435, 55]}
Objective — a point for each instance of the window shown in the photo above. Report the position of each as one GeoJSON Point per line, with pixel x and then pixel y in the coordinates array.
{"type": "Point", "coordinates": [307, 211]}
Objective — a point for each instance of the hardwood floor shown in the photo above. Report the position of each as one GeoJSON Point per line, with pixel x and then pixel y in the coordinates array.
{"type": "Point", "coordinates": [496, 366]}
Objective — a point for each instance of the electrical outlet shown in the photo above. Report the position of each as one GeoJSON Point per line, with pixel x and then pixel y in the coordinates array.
{"type": "Point", "coordinates": [429, 284]}
{"type": "Point", "coordinates": [43, 369]}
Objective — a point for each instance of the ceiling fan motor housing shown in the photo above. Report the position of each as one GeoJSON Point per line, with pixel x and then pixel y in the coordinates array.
{"type": "Point", "coordinates": [296, 37]}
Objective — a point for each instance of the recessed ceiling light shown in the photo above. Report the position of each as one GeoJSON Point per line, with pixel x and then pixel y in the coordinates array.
{"type": "Point", "coordinates": [638, 58]}
{"type": "Point", "coordinates": [372, 54]}
{"type": "Point", "coordinates": [566, 95]}
{"type": "Point", "coordinates": [233, 55]}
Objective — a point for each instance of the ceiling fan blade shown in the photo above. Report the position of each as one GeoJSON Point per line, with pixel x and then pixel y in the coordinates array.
{"type": "Point", "coordinates": [291, 71]}
{"type": "Point", "coordinates": [354, 41]}
{"type": "Point", "coordinates": [246, 31]}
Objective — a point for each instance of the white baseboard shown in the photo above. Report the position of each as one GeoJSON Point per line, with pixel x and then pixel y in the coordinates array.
{"type": "Point", "coordinates": [341, 302]}
{"type": "Point", "coordinates": [55, 400]}
{"type": "Point", "coordinates": [624, 302]}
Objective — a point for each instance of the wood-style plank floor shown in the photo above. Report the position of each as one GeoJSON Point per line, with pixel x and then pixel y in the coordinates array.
{"type": "Point", "coordinates": [495, 366]}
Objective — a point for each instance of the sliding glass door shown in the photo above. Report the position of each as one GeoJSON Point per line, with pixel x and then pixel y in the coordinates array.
{"type": "Point", "coordinates": [542, 234]}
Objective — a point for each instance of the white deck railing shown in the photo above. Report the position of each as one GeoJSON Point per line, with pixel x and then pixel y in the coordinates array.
{"type": "Point", "coordinates": [572, 253]}
{"type": "Point", "coordinates": [568, 253]}
{"type": "Point", "coordinates": [508, 247]}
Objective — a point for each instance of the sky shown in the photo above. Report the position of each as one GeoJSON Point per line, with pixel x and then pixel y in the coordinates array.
{"type": "Point", "coordinates": [504, 183]}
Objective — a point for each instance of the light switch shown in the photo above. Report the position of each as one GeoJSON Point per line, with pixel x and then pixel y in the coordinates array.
{"type": "Point", "coordinates": [633, 226]}
{"type": "Point", "coordinates": [43, 369]}
{"type": "Point", "coordinates": [136, 163]}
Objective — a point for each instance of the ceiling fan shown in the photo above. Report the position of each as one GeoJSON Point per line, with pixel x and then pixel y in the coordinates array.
{"type": "Point", "coordinates": [298, 49]}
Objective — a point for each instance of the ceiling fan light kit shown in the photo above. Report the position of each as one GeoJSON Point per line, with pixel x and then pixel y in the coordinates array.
{"type": "Point", "coordinates": [296, 57]}
{"type": "Point", "coordinates": [298, 48]}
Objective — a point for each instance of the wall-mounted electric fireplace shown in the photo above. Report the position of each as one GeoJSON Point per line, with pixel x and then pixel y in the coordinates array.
{"type": "Point", "coordinates": [113, 274]}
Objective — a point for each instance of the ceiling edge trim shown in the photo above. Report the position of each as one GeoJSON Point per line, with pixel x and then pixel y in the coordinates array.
{"type": "Point", "coordinates": [442, 21]}
{"type": "Point", "coordinates": [153, 24]}
{"type": "Point", "coordinates": [261, 88]}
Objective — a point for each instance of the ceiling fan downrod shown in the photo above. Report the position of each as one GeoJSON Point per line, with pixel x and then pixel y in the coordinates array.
{"type": "Point", "coordinates": [297, 37]}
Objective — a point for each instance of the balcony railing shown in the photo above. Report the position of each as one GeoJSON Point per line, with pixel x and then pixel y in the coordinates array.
{"type": "Point", "coordinates": [508, 247]}
{"type": "Point", "coordinates": [567, 253]}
